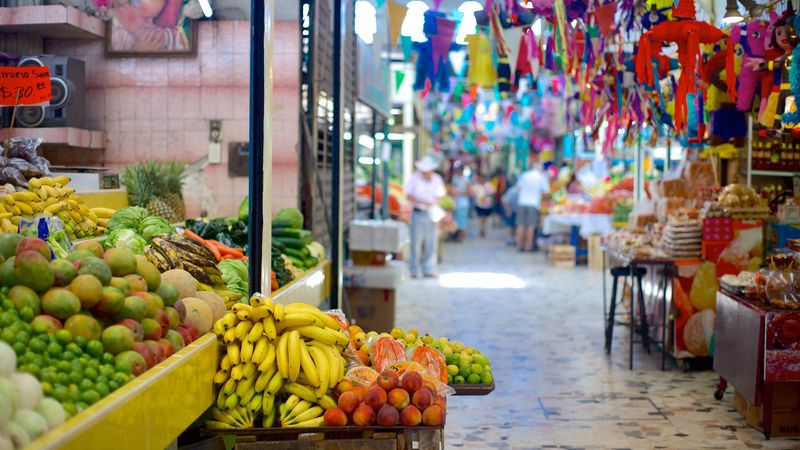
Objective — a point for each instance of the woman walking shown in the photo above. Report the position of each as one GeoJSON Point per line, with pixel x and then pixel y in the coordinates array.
{"type": "Point", "coordinates": [484, 201]}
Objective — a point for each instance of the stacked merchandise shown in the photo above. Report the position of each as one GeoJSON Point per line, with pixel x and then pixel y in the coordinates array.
{"type": "Point", "coordinates": [682, 236]}
{"type": "Point", "coordinates": [295, 242]}
{"type": "Point", "coordinates": [157, 187]}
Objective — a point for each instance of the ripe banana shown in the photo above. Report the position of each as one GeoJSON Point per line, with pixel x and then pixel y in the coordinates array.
{"type": "Point", "coordinates": [247, 351]}
{"type": "Point", "coordinates": [243, 329]}
{"type": "Point", "coordinates": [229, 320]}
{"type": "Point", "coordinates": [278, 312]}
{"type": "Point", "coordinates": [255, 404]}
{"type": "Point", "coordinates": [321, 363]}
{"type": "Point", "coordinates": [244, 401]}
{"type": "Point", "coordinates": [300, 408]}
{"type": "Point", "coordinates": [229, 337]}
{"type": "Point", "coordinates": [311, 423]}
{"type": "Point", "coordinates": [333, 357]}
{"type": "Point", "coordinates": [302, 391]}
{"type": "Point", "coordinates": [260, 350]}
{"type": "Point", "coordinates": [219, 328]}
{"type": "Point", "coordinates": [269, 417]}
{"type": "Point", "coordinates": [292, 401]}
{"type": "Point", "coordinates": [229, 387]}
{"type": "Point", "coordinates": [327, 402]}
{"type": "Point", "coordinates": [326, 320]}
{"type": "Point", "coordinates": [260, 312]}
{"type": "Point", "coordinates": [275, 384]}
{"type": "Point", "coordinates": [269, 360]}
{"type": "Point", "coordinates": [233, 353]}
{"type": "Point", "coordinates": [249, 371]}
{"type": "Point", "coordinates": [237, 372]}
{"type": "Point", "coordinates": [225, 364]}
{"type": "Point", "coordinates": [244, 386]}
{"type": "Point", "coordinates": [310, 413]}
{"type": "Point", "coordinates": [309, 368]}
{"type": "Point", "coordinates": [282, 355]}
{"type": "Point", "coordinates": [323, 335]}
{"type": "Point", "coordinates": [295, 320]}
{"type": "Point", "coordinates": [294, 354]}
{"type": "Point", "coordinates": [255, 332]}
{"type": "Point", "coordinates": [221, 376]}
{"type": "Point", "coordinates": [260, 300]}
{"type": "Point", "coordinates": [231, 401]}
{"type": "Point", "coordinates": [269, 328]}
{"type": "Point", "coordinates": [263, 380]}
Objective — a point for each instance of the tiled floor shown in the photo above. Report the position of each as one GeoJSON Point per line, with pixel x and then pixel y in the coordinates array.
{"type": "Point", "coordinates": [556, 388]}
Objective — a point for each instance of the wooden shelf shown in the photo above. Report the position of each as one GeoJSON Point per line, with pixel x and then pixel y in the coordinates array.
{"type": "Point", "coordinates": [52, 21]}
{"type": "Point", "coordinates": [71, 137]}
{"type": "Point", "coordinates": [772, 173]}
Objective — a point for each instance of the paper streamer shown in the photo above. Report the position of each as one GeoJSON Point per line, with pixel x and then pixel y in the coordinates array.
{"type": "Point", "coordinates": [605, 18]}
{"type": "Point", "coordinates": [397, 14]}
{"type": "Point", "coordinates": [445, 29]}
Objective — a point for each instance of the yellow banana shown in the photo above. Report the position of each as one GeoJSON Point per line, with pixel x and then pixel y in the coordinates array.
{"type": "Point", "coordinates": [48, 201]}
{"type": "Point", "coordinates": [231, 401]}
{"type": "Point", "coordinates": [255, 404]}
{"type": "Point", "coordinates": [25, 196]}
{"type": "Point", "coordinates": [241, 307]}
{"type": "Point", "coordinates": [311, 423]}
{"type": "Point", "coordinates": [229, 387]}
{"type": "Point", "coordinates": [269, 413]}
{"type": "Point", "coordinates": [104, 213]}
{"type": "Point", "coordinates": [225, 364]}
{"type": "Point", "coordinates": [219, 328]}
{"type": "Point", "coordinates": [34, 183]}
{"type": "Point", "coordinates": [260, 351]}
{"type": "Point", "coordinates": [333, 361]}
{"type": "Point", "coordinates": [237, 372]}
{"type": "Point", "coordinates": [63, 180]}
{"type": "Point", "coordinates": [293, 352]}
{"type": "Point", "coordinates": [326, 320]}
{"type": "Point", "coordinates": [309, 368]}
{"type": "Point", "coordinates": [323, 335]}
{"type": "Point", "coordinates": [269, 328]}
{"type": "Point", "coordinates": [249, 371]}
{"type": "Point", "coordinates": [244, 401]}
{"type": "Point", "coordinates": [244, 386]}
{"type": "Point", "coordinates": [282, 355]}
{"type": "Point", "coordinates": [246, 352]}
{"type": "Point", "coordinates": [323, 371]}
{"type": "Point", "coordinates": [224, 417]}
{"type": "Point", "coordinates": [255, 332]}
{"type": "Point", "coordinates": [310, 413]}
{"type": "Point", "coordinates": [260, 312]}
{"type": "Point", "coordinates": [269, 360]}
{"type": "Point", "coordinates": [275, 384]}
{"type": "Point", "coordinates": [299, 408]}
{"type": "Point", "coordinates": [295, 320]}
{"type": "Point", "coordinates": [327, 402]}
{"type": "Point", "coordinates": [263, 380]}
{"type": "Point", "coordinates": [221, 376]}
{"type": "Point", "coordinates": [75, 216]}
{"type": "Point", "coordinates": [229, 337]}
{"type": "Point", "coordinates": [233, 353]}
{"type": "Point", "coordinates": [242, 329]}
{"type": "Point", "coordinates": [24, 208]}
{"type": "Point", "coordinates": [278, 312]}
{"type": "Point", "coordinates": [291, 402]}
{"type": "Point", "coordinates": [301, 390]}
{"type": "Point", "coordinates": [221, 396]}
{"type": "Point", "coordinates": [229, 320]}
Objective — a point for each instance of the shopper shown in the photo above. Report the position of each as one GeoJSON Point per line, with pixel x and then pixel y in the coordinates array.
{"type": "Point", "coordinates": [510, 202]}
{"type": "Point", "coordinates": [484, 200]}
{"type": "Point", "coordinates": [500, 184]}
{"type": "Point", "coordinates": [461, 191]}
{"type": "Point", "coordinates": [424, 190]}
{"type": "Point", "coordinates": [533, 186]}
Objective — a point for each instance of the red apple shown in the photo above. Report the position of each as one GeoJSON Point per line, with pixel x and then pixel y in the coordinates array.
{"type": "Point", "coordinates": [163, 319]}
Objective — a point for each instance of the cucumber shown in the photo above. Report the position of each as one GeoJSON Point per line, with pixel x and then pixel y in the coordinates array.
{"type": "Point", "coordinates": [282, 224]}
{"type": "Point", "coordinates": [293, 253]}
{"type": "Point", "coordinates": [295, 233]}
{"type": "Point", "coordinates": [290, 242]}
{"type": "Point", "coordinates": [298, 263]}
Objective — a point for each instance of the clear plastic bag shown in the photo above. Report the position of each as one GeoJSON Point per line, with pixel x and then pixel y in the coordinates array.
{"type": "Point", "coordinates": [386, 350]}
{"type": "Point", "coordinates": [26, 168]}
{"type": "Point", "coordinates": [431, 360]}
{"type": "Point", "coordinates": [43, 165]}
{"type": "Point", "coordinates": [12, 175]}
{"type": "Point", "coordinates": [22, 147]}
{"type": "Point", "coordinates": [361, 375]}
{"type": "Point", "coordinates": [50, 230]}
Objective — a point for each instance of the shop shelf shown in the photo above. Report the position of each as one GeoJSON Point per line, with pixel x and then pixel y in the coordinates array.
{"type": "Point", "coordinates": [772, 173]}
{"type": "Point", "coordinates": [313, 287]}
{"type": "Point", "coordinates": [67, 136]}
{"type": "Point", "coordinates": [150, 411]}
{"type": "Point", "coordinates": [52, 21]}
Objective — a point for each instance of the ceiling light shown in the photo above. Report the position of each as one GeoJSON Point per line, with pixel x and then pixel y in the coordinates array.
{"type": "Point", "coordinates": [753, 8]}
{"type": "Point", "coordinates": [732, 14]}
{"type": "Point", "coordinates": [205, 5]}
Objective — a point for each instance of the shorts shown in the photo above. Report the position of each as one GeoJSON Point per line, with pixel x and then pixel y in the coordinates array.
{"type": "Point", "coordinates": [527, 216]}
{"type": "Point", "coordinates": [484, 212]}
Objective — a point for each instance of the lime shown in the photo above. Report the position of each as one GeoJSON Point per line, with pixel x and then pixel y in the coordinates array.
{"type": "Point", "coordinates": [90, 373]}
{"type": "Point", "coordinates": [67, 356]}
{"type": "Point", "coordinates": [486, 378]}
{"type": "Point", "coordinates": [458, 379]}
{"type": "Point", "coordinates": [37, 345]}
{"type": "Point", "coordinates": [60, 393]}
{"type": "Point", "coordinates": [75, 376]}
{"type": "Point", "coordinates": [121, 378]}
{"type": "Point", "coordinates": [452, 370]}
{"type": "Point", "coordinates": [476, 368]}
{"type": "Point", "coordinates": [74, 395]}
{"type": "Point", "coordinates": [101, 379]}
{"type": "Point", "coordinates": [81, 406]}
{"type": "Point", "coordinates": [107, 370]}
{"type": "Point", "coordinates": [54, 350]}
{"type": "Point", "coordinates": [69, 408]}
{"type": "Point", "coordinates": [113, 385]}
{"type": "Point", "coordinates": [102, 389]}
{"type": "Point", "coordinates": [22, 336]}
{"type": "Point", "coordinates": [31, 369]}
{"type": "Point", "coordinates": [94, 348]}
{"type": "Point", "coordinates": [124, 367]}
{"type": "Point", "coordinates": [465, 359]}
{"type": "Point", "coordinates": [38, 360]}
{"type": "Point", "coordinates": [86, 384]}
{"type": "Point", "coordinates": [64, 337]}
{"type": "Point", "coordinates": [83, 360]}
{"type": "Point", "coordinates": [77, 365]}
{"type": "Point", "coordinates": [19, 348]}
{"type": "Point", "coordinates": [80, 341]}
{"type": "Point", "coordinates": [91, 396]}
{"type": "Point", "coordinates": [449, 379]}
{"type": "Point", "coordinates": [7, 335]}
{"type": "Point", "coordinates": [474, 378]}
{"type": "Point", "coordinates": [74, 348]}
{"type": "Point", "coordinates": [8, 305]}
{"type": "Point", "coordinates": [464, 370]}
{"type": "Point", "coordinates": [107, 358]}
{"type": "Point", "coordinates": [26, 314]}
{"type": "Point", "coordinates": [47, 388]}
{"type": "Point", "coordinates": [62, 378]}
{"type": "Point", "coordinates": [452, 360]}
{"type": "Point", "coordinates": [93, 363]}
{"type": "Point", "coordinates": [9, 316]}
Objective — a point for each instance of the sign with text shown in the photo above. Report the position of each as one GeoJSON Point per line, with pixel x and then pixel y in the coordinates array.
{"type": "Point", "coordinates": [24, 85]}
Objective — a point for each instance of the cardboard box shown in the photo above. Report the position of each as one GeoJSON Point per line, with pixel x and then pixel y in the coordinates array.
{"type": "Point", "coordinates": [595, 259]}
{"type": "Point", "coordinates": [387, 276]}
{"type": "Point", "coordinates": [561, 255]}
{"type": "Point", "coordinates": [785, 411]}
{"type": "Point", "coordinates": [370, 258]}
{"type": "Point", "coordinates": [386, 236]}
{"type": "Point", "coordinates": [372, 309]}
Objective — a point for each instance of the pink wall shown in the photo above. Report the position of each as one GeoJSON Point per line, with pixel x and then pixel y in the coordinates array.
{"type": "Point", "coordinates": [161, 107]}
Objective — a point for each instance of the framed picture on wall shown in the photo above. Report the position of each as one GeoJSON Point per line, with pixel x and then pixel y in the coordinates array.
{"type": "Point", "coordinates": [151, 28]}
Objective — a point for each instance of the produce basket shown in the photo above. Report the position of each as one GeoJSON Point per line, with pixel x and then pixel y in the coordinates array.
{"type": "Point", "coordinates": [341, 438]}
{"type": "Point", "coordinates": [473, 389]}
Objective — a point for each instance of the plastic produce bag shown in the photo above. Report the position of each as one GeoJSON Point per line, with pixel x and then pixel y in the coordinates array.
{"type": "Point", "coordinates": [12, 175]}
{"type": "Point", "coordinates": [42, 164]}
{"type": "Point", "coordinates": [431, 360]}
{"type": "Point", "coordinates": [703, 294]}
{"type": "Point", "coordinates": [362, 376]}
{"type": "Point", "coordinates": [25, 167]}
{"type": "Point", "coordinates": [50, 230]}
{"type": "Point", "coordinates": [22, 147]}
{"type": "Point", "coordinates": [386, 350]}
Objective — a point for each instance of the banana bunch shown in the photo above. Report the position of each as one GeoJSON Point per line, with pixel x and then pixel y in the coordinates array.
{"type": "Point", "coordinates": [103, 215]}
{"type": "Point", "coordinates": [50, 196]}
{"type": "Point", "coordinates": [275, 350]}
{"type": "Point", "coordinates": [173, 251]}
{"type": "Point", "coordinates": [238, 417]}
{"type": "Point", "coordinates": [228, 296]}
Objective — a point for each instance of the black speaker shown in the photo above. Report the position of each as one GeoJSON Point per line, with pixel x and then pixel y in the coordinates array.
{"type": "Point", "coordinates": [67, 108]}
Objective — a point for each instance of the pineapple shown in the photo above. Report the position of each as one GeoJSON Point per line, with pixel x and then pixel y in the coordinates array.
{"type": "Point", "coordinates": [175, 172]}
{"type": "Point", "coordinates": [144, 182]}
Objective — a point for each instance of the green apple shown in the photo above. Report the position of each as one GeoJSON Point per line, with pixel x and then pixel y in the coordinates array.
{"type": "Point", "coordinates": [476, 368]}
{"type": "Point", "coordinates": [458, 379]}
{"type": "Point", "coordinates": [447, 350]}
{"type": "Point", "coordinates": [452, 370]}
{"type": "Point", "coordinates": [474, 378]}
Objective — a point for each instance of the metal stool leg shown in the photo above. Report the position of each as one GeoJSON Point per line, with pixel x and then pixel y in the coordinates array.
{"type": "Point", "coordinates": [612, 310]}
{"type": "Point", "coordinates": [632, 326]}
{"type": "Point", "coordinates": [643, 315]}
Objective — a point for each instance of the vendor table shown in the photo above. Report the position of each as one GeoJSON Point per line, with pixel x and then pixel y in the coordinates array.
{"type": "Point", "coordinates": [750, 352]}
{"type": "Point", "coordinates": [585, 224]}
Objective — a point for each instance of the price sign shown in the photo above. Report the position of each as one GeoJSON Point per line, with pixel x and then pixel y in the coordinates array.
{"type": "Point", "coordinates": [24, 86]}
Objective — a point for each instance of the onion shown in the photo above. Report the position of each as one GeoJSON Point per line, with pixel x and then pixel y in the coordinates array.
{"type": "Point", "coordinates": [9, 390]}
{"type": "Point", "coordinates": [30, 391]}
{"type": "Point", "coordinates": [52, 411]}
{"type": "Point", "coordinates": [8, 360]}
{"type": "Point", "coordinates": [34, 424]}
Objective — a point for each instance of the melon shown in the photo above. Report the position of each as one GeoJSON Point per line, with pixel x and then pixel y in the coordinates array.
{"type": "Point", "coordinates": [186, 284]}
{"type": "Point", "coordinates": [198, 313]}
{"type": "Point", "coordinates": [214, 302]}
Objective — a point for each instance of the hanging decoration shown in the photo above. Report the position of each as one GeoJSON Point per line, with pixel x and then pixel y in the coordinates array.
{"type": "Point", "coordinates": [397, 14]}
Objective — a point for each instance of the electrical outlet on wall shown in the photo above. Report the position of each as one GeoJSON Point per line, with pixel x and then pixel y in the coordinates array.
{"type": "Point", "coordinates": [214, 153]}
{"type": "Point", "coordinates": [214, 142]}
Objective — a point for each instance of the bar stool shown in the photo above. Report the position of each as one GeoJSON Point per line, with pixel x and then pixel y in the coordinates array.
{"type": "Point", "coordinates": [625, 272]}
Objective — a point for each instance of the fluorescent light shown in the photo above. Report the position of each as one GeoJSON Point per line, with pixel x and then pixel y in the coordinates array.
{"type": "Point", "coordinates": [395, 111]}
{"type": "Point", "coordinates": [468, 25]}
{"type": "Point", "coordinates": [396, 136]}
{"type": "Point", "coordinates": [366, 141]}
{"type": "Point", "coordinates": [205, 5]}
{"type": "Point", "coordinates": [414, 22]}
{"type": "Point", "coordinates": [368, 161]}
{"type": "Point", "coordinates": [347, 135]}
{"type": "Point", "coordinates": [379, 136]}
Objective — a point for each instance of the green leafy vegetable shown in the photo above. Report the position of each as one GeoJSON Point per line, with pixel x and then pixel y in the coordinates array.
{"type": "Point", "coordinates": [234, 274]}
{"type": "Point", "coordinates": [292, 216]}
{"type": "Point", "coordinates": [153, 226]}
{"type": "Point", "coordinates": [125, 238]}
{"type": "Point", "coordinates": [129, 217]}
{"type": "Point", "coordinates": [244, 209]}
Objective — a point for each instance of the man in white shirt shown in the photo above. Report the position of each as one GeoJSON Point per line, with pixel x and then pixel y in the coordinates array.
{"type": "Point", "coordinates": [533, 186]}
{"type": "Point", "coordinates": [425, 190]}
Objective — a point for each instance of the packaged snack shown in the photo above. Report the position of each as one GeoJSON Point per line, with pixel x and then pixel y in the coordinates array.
{"type": "Point", "coordinates": [431, 360]}
{"type": "Point", "coordinates": [385, 350]}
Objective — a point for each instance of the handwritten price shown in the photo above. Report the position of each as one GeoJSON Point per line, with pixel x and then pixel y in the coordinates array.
{"type": "Point", "coordinates": [24, 86]}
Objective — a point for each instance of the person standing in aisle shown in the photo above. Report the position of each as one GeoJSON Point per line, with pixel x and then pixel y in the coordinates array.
{"type": "Point", "coordinates": [484, 201]}
{"type": "Point", "coordinates": [424, 190]}
{"type": "Point", "coordinates": [510, 201]}
{"type": "Point", "coordinates": [533, 186]}
{"type": "Point", "coordinates": [500, 184]}
{"type": "Point", "coordinates": [460, 191]}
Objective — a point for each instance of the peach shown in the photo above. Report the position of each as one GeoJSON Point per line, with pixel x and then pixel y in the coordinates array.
{"type": "Point", "coordinates": [439, 400]}
{"type": "Point", "coordinates": [343, 386]}
{"type": "Point", "coordinates": [388, 416]}
{"type": "Point", "coordinates": [335, 417]}
{"type": "Point", "coordinates": [375, 398]}
{"type": "Point", "coordinates": [398, 398]}
{"type": "Point", "coordinates": [363, 356]}
{"type": "Point", "coordinates": [422, 399]}
{"type": "Point", "coordinates": [388, 380]}
{"type": "Point", "coordinates": [410, 416]}
{"type": "Point", "coordinates": [364, 415]}
{"type": "Point", "coordinates": [361, 391]}
{"type": "Point", "coordinates": [433, 416]}
{"type": "Point", "coordinates": [348, 402]}
{"type": "Point", "coordinates": [428, 383]}
{"type": "Point", "coordinates": [411, 381]}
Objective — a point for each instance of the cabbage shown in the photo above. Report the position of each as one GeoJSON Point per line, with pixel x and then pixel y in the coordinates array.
{"type": "Point", "coordinates": [125, 238]}
{"type": "Point", "coordinates": [129, 217]}
{"type": "Point", "coordinates": [8, 360]}
{"type": "Point", "coordinates": [292, 216]}
{"type": "Point", "coordinates": [234, 274]}
{"type": "Point", "coordinates": [153, 226]}
{"type": "Point", "coordinates": [244, 209]}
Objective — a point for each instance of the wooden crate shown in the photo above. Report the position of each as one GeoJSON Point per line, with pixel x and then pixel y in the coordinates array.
{"type": "Point", "coordinates": [339, 438]}
{"type": "Point", "coordinates": [785, 416]}
{"type": "Point", "coordinates": [561, 255]}
{"type": "Point", "coordinates": [596, 256]}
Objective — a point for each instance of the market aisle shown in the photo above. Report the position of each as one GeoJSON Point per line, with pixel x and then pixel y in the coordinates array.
{"type": "Point", "coordinates": [555, 385]}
